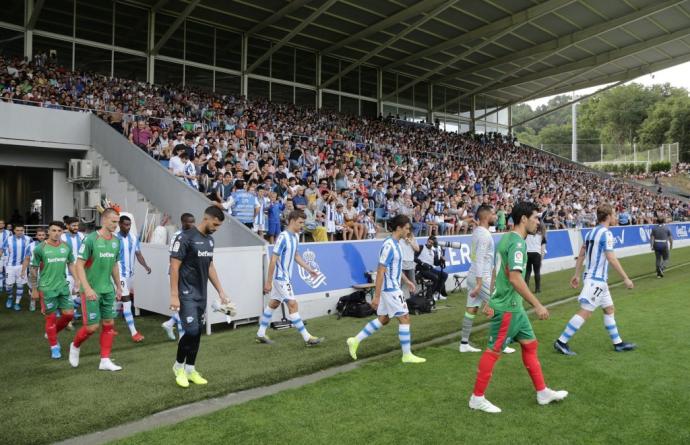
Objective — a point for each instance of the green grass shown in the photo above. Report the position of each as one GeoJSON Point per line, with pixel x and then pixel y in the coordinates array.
{"type": "Point", "coordinates": [40, 392]}
{"type": "Point", "coordinates": [636, 397]}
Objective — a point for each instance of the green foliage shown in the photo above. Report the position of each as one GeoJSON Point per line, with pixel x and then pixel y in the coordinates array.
{"type": "Point", "coordinates": [622, 115]}
{"type": "Point", "coordinates": [623, 168]}
{"type": "Point", "coordinates": [660, 166]}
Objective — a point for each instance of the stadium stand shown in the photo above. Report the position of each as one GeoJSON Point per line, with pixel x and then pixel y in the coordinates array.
{"type": "Point", "coordinates": [323, 157]}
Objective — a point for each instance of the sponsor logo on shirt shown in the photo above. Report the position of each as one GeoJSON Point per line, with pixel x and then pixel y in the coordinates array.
{"type": "Point", "coordinates": [106, 255]}
{"type": "Point", "coordinates": [57, 260]}
{"type": "Point", "coordinates": [204, 253]}
{"type": "Point", "coordinates": [176, 246]}
{"type": "Point", "coordinates": [518, 257]}
{"type": "Point", "coordinates": [63, 250]}
{"type": "Point", "coordinates": [190, 319]}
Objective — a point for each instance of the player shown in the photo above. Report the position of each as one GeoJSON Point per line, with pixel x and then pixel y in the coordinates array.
{"type": "Point", "coordinates": [388, 298]}
{"type": "Point", "coordinates": [40, 237]}
{"type": "Point", "coordinates": [187, 222]}
{"type": "Point", "coordinates": [129, 249]}
{"type": "Point", "coordinates": [97, 269]}
{"type": "Point", "coordinates": [480, 279]}
{"type": "Point", "coordinates": [4, 234]}
{"type": "Point", "coordinates": [191, 267]}
{"type": "Point", "coordinates": [14, 251]}
{"type": "Point", "coordinates": [51, 258]}
{"type": "Point", "coordinates": [261, 218]}
{"type": "Point", "coordinates": [74, 238]}
{"type": "Point", "coordinates": [596, 252]}
{"type": "Point", "coordinates": [510, 320]}
{"type": "Point", "coordinates": [278, 283]}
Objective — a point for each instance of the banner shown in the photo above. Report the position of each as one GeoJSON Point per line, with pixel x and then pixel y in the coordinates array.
{"type": "Point", "coordinates": [630, 236]}
{"type": "Point", "coordinates": [343, 264]}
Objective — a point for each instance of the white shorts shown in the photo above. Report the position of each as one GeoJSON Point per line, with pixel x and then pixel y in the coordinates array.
{"type": "Point", "coordinates": [330, 226]}
{"type": "Point", "coordinates": [282, 291]}
{"type": "Point", "coordinates": [259, 227]}
{"type": "Point", "coordinates": [127, 285]}
{"type": "Point", "coordinates": [392, 304]}
{"type": "Point", "coordinates": [13, 275]}
{"type": "Point", "coordinates": [595, 294]}
{"type": "Point", "coordinates": [484, 293]}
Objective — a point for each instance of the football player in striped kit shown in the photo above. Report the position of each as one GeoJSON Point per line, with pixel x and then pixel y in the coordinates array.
{"type": "Point", "coordinates": [74, 239]}
{"type": "Point", "coordinates": [4, 234]}
{"type": "Point", "coordinates": [597, 253]}
{"type": "Point", "coordinates": [14, 251]}
{"type": "Point", "coordinates": [388, 300]}
{"type": "Point", "coordinates": [129, 249]}
{"type": "Point", "coordinates": [40, 237]}
{"type": "Point", "coordinates": [278, 282]}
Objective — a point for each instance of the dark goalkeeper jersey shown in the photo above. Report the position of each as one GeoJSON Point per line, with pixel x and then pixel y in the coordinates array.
{"type": "Point", "coordinates": [195, 250]}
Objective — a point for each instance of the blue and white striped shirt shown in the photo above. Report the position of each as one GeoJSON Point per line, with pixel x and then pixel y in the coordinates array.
{"type": "Point", "coordinates": [390, 257]}
{"type": "Point", "coordinates": [190, 170]}
{"type": "Point", "coordinates": [285, 249]}
{"type": "Point", "coordinates": [74, 242]}
{"type": "Point", "coordinates": [261, 217]}
{"type": "Point", "coordinates": [129, 246]}
{"type": "Point", "coordinates": [30, 249]}
{"type": "Point", "coordinates": [14, 249]}
{"type": "Point", "coordinates": [339, 218]}
{"type": "Point", "coordinates": [598, 241]}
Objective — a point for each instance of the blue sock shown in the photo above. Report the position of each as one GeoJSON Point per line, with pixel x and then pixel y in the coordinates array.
{"type": "Point", "coordinates": [405, 338]}
{"type": "Point", "coordinates": [369, 330]}
{"type": "Point", "coordinates": [129, 318]}
{"type": "Point", "coordinates": [265, 321]}
{"type": "Point", "coordinates": [610, 324]}
{"type": "Point", "coordinates": [571, 328]}
{"type": "Point", "coordinates": [299, 324]}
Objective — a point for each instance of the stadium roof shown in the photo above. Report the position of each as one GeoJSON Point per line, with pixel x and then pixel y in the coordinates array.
{"type": "Point", "coordinates": [511, 50]}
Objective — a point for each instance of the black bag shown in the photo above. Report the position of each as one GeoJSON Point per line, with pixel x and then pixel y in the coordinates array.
{"type": "Point", "coordinates": [418, 304]}
{"type": "Point", "coordinates": [354, 305]}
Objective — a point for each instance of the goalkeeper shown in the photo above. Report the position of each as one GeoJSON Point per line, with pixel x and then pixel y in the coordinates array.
{"type": "Point", "coordinates": [191, 267]}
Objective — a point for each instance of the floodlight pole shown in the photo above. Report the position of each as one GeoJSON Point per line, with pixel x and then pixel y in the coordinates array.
{"type": "Point", "coordinates": [573, 151]}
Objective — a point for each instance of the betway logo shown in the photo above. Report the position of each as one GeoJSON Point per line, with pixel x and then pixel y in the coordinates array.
{"type": "Point", "coordinates": [204, 253]}
{"type": "Point", "coordinates": [57, 260]}
{"type": "Point", "coordinates": [106, 255]}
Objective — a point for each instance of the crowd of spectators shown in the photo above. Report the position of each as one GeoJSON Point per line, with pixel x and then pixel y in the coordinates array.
{"type": "Point", "coordinates": [349, 173]}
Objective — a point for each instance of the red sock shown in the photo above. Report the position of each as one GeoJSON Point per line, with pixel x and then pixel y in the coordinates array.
{"type": "Point", "coordinates": [531, 361]}
{"type": "Point", "coordinates": [486, 367]}
{"type": "Point", "coordinates": [51, 331]}
{"type": "Point", "coordinates": [64, 321]}
{"type": "Point", "coordinates": [106, 340]}
{"type": "Point", "coordinates": [82, 335]}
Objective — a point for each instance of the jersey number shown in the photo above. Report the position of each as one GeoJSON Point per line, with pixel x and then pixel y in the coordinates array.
{"type": "Point", "coordinates": [597, 292]}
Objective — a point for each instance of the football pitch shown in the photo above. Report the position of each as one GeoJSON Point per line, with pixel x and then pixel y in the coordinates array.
{"type": "Point", "coordinates": [636, 397]}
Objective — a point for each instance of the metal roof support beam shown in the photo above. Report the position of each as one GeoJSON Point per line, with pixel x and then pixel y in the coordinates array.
{"type": "Point", "coordinates": [518, 20]}
{"type": "Point", "coordinates": [588, 62]}
{"type": "Point", "coordinates": [414, 26]}
{"type": "Point", "coordinates": [488, 30]}
{"type": "Point", "coordinates": [556, 45]}
{"type": "Point", "coordinates": [621, 77]}
{"type": "Point", "coordinates": [313, 16]}
{"type": "Point", "coordinates": [396, 18]}
{"type": "Point", "coordinates": [285, 10]}
{"type": "Point", "coordinates": [176, 24]}
{"type": "Point", "coordinates": [35, 13]}
{"type": "Point", "coordinates": [592, 61]}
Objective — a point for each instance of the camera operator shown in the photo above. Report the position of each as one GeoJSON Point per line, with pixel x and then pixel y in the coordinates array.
{"type": "Point", "coordinates": [430, 257]}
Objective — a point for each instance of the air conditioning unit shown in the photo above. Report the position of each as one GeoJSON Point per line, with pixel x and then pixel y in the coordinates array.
{"type": "Point", "coordinates": [92, 198]}
{"type": "Point", "coordinates": [80, 169]}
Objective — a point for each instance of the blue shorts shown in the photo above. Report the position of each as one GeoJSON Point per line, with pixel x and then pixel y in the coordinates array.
{"type": "Point", "coordinates": [273, 228]}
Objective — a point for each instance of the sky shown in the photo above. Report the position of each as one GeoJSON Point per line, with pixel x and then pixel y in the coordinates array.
{"type": "Point", "coordinates": [677, 76]}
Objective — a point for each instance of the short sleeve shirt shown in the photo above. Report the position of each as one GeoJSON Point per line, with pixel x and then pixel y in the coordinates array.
{"type": "Point", "coordinates": [52, 261]}
{"type": "Point", "coordinates": [511, 255]}
{"type": "Point", "coordinates": [195, 251]}
{"type": "Point", "coordinates": [100, 254]}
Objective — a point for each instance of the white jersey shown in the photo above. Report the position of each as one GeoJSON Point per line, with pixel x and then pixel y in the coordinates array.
{"type": "Point", "coordinates": [390, 257]}
{"type": "Point", "coordinates": [74, 241]}
{"type": "Point", "coordinates": [129, 246]}
{"type": "Point", "coordinates": [598, 241]}
{"type": "Point", "coordinates": [4, 235]}
{"type": "Point", "coordinates": [14, 250]}
{"type": "Point", "coordinates": [285, 249]}
{"type": "Point", "coordinates": [482, 253]}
